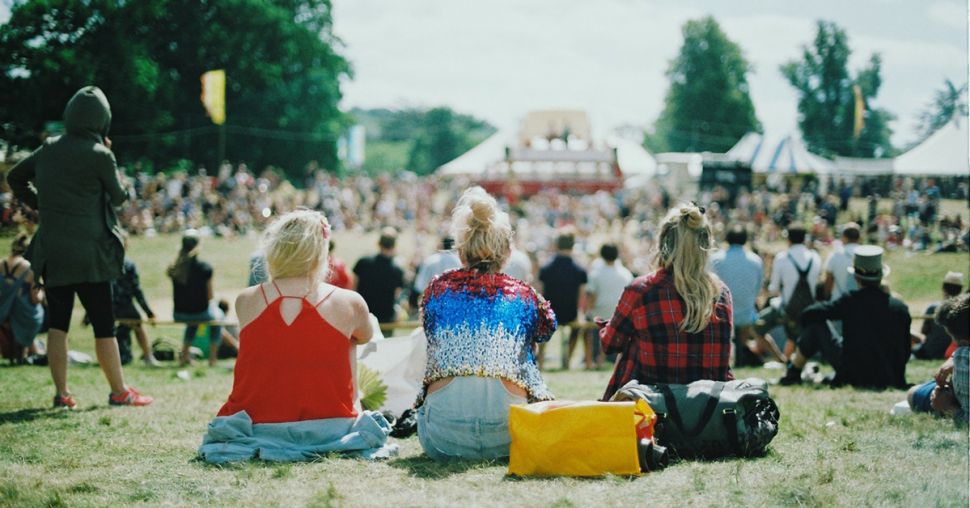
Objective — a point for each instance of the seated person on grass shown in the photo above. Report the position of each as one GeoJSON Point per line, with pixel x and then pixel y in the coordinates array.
{"type": "Point", "coordinates": [294, 394]}
{"type": "Point", "coordinates": [949, 393]}
{"type": "Point", "coordinates": [874, 346]}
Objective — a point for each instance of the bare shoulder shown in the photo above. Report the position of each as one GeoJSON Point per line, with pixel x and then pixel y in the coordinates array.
{"type": "Point", "coordinates": [249, 304]}
{"type": "Point", "coordinates": [350, 301]}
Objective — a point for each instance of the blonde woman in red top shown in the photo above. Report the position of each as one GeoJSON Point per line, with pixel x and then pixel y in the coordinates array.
{"type": "Point", "coordinates": [294, 393]}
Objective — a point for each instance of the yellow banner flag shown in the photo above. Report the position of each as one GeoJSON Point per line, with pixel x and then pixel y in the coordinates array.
{"type": "Point", "coordinates": [859, 120]}
{"type": "Point", "coordinates": [214, 95]}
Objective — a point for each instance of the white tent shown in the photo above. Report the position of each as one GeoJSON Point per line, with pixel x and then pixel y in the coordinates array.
{"type": "Point", "coordinates": [770, 154]}
{"type": "Point", "coordinates": [858, 166]}
{"type": "Point", "coordinates": [477, 160]}
{"type": "Point", "coordinates": [488, 158]}
{"type": "Point", "coordinates": [944, 153]}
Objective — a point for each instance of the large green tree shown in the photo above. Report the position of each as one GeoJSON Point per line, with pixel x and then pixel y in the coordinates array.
{"type": "Point", "coordinates": [282, 67]}
{"type": "Point", "coordinates": [828, 98]}
{"type": "Point", "coordinates": [707, 106]}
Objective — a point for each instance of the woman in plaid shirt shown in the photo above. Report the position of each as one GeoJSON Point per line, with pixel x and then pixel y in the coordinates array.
{"type": "Point", "coordinates": [673, 325]}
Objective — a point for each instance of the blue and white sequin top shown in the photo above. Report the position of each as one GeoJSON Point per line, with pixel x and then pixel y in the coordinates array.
{"type": "Point", "coordinates": [484, 324]}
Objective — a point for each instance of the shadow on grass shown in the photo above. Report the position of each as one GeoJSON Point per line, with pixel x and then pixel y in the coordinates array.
{"type": "Point", "coordinates": [37, 413]}
{"type": "Point", "coordinates": [425, 467]}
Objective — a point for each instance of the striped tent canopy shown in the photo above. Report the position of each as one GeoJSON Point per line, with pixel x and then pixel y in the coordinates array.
{"type": "Point", "coordinates": [764, 153]}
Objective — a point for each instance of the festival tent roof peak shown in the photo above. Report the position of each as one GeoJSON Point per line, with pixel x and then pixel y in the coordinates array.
{"type": "Point", "coordinates": [766, 153]}
{"type": "Point", "coordinates": [944, 153]}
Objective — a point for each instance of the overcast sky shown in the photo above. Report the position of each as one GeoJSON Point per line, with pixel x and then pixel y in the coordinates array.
{"type": "Point", "coordinates": [498, 59]}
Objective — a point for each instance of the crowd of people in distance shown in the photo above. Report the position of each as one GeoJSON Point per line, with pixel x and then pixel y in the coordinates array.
{"type": "Point", "coordinates": [661, 301]}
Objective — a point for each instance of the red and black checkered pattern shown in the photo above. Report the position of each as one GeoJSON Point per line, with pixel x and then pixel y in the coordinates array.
{"type": "Point", "coordinates": [645, 328]}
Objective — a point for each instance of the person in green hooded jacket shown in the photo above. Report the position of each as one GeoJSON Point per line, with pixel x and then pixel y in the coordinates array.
{"type": "Point", "coordinates": [78, 248]}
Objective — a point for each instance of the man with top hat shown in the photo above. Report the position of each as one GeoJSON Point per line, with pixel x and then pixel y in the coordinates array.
{"type": "Point", "coordinates": [874, 346]}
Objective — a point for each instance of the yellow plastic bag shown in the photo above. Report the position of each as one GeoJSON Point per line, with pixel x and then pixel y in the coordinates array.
{"type": "Point", "coordinates": [563, 438]}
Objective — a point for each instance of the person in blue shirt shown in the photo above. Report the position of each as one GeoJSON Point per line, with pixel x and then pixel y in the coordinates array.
{"type": "Point", "coordinates": [743, 272]}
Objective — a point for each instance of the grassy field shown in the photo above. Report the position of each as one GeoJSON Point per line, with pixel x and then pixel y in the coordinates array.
{"type": "Point", "coordinates": [836, 447]}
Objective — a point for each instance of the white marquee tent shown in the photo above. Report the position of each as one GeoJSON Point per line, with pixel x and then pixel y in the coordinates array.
{"type": "Point", "coordinates": [944, 153]}
{"type": "Point", "coordinates": [765, 153]}
{"type": "Point", "coordinates": [484, 158]}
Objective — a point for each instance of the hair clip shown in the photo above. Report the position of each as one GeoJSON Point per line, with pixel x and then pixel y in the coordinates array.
{"type": "Point", "coordinates": [699, 207]}
{"type": "Point", "coordinates": [325, 229]}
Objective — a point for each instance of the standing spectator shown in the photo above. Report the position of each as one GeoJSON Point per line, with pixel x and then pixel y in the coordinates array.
{"type": "Point", "coordinates": [743, 273]}
{"type": "Point", "coordinates": [338, 274]}
{"type": "Point", "coordinates": [436, 264]}
{"type": "Point", "coordinates": [935, 339]}
{"type": "Point", "coordinates": [606, 284]}
{"type": "Point", "coordinates": [794, 275]}
{"type": "Point", "coordinates": [78, 248]}
{"type": "Point", "coordinates": [380, 279]}
{"type": "Point", "coordinates": [192, 293]}
{"type": "Point", "coordinates": [673, 325]}
{"type": "Point", "coordinates": [20, 297]}
{"type": "Point", "coordinates": [873, 350]}
{"type": "Point", "coordinates": [563, 282]}
{"type": "Point", "coordinates": [837, 280]}
{"type": "Point", "coordinates": [123, 290]}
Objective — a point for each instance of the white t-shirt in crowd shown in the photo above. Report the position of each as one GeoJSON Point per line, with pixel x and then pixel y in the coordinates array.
{"type": "Point", "coordinates": [838, 265]}
{"type": "Point", "coordinates": [519, 266]}
{"type": "Point", "coordinates": [607, 282]}
{"type": "Point", "coordinates": [784, 275]}
{"type": "Point", "coordinates": [436, 264]}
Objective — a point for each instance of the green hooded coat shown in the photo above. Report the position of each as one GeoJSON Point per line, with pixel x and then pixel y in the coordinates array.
{"type": "Point", "coordinates": [75, 188]}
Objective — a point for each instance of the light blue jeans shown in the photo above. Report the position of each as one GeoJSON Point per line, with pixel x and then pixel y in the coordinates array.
{"type": "Point", "coordinates": [467, 419]}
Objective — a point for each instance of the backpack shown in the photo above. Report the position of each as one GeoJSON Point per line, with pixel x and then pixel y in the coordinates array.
{"type": "Point", "coordinates": [802, 296]}
{"type": "Point", "coordinates": [710, 419]}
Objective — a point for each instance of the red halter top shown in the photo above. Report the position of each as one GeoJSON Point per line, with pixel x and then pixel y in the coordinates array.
{"type": "Point", "coordinates": [295, 372]}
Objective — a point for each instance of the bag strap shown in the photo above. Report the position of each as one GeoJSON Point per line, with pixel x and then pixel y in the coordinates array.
{"type": "Point", "coordinates": [674, 411]}
{"type": "Point", "coordinates": [801, 273]}
{"type": "Point", "coordinates": [730, 419]}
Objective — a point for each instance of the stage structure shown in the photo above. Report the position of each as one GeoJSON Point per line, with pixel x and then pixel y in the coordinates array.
{"type": "Point", "coordinates": [552, 149]}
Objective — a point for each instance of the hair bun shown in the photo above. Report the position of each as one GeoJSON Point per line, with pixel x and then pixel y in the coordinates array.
{"type": "Point", "coordinates": [692, 216]}
{"type": "Point", "coordinates": [482, 213]}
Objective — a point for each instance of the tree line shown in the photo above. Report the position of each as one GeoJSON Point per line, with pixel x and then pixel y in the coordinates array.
{"type": "Point", "coordinates": [708, 105]}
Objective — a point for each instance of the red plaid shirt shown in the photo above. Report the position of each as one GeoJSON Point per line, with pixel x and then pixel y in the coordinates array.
{"type": "Point", "coordinates": [646, 329]}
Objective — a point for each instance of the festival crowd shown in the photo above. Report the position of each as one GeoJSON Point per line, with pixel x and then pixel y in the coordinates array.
{"type": "Point", "coordinates": [635, 276]}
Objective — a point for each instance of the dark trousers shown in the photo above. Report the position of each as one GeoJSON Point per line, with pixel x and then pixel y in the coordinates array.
{"type": "Point", "coordinates": [821, 338]}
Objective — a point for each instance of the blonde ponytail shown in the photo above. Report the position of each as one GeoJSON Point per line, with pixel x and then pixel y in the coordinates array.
{"type": "Point", "coordinates": [685, 244]}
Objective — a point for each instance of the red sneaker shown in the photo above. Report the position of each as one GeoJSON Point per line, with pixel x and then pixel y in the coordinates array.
{"type": "Point", "coordinates": [64, 401]}
{"type": "Point", "coordinates": [129, 397]}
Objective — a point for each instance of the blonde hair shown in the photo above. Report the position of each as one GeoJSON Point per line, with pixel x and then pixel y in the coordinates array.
{"type": "Point", "coordinates": [685, 243]}
{"type": "Point", "coordinates": [482, 231]}
{"type": "Point", "coordinates": [297, 245]}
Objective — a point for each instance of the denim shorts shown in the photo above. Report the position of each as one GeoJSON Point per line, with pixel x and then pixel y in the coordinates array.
{"type": "Point", "coordinates": [467, 419]}
{"type": "Point", "coordinates": [921, 398]}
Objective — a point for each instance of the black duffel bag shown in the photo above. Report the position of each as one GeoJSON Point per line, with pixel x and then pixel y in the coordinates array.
{"type": "Point", "coordinates": [710, 419]}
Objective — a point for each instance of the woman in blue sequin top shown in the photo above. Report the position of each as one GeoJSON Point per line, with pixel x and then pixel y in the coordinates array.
{"type": "Point", "coordinates": [482, 328]}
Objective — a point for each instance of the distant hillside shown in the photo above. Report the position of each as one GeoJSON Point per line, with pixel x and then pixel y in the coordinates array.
{"type": "Point", "coordinates": [417, 140]}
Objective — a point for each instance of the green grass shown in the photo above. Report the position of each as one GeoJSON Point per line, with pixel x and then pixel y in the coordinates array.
{"type": "Point", "coordinates": [836, 447]}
